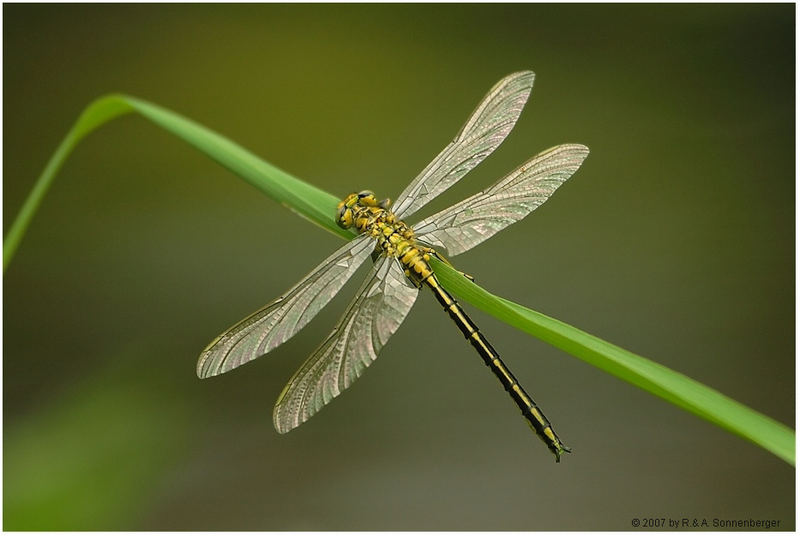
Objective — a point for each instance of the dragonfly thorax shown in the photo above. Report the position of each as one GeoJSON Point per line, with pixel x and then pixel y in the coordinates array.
{"type": "Point", "coordinates": [369, 216]}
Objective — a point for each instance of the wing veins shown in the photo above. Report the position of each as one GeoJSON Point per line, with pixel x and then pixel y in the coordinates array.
{"type": "Point", "coordinates": [375, 313]}
{"type": "Point", "coordinates": [470, 222]}
{"type": "Point", "coordinates": [281, 319]}
{"type": "Point", "coordinates": [483, 132]}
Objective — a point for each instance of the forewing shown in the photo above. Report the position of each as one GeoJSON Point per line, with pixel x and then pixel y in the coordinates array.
{"type": "Point", "coordinates": [372, 317]}
{"type": "Point", "coordinates": [485, 130]}
{"type": "Point", "coordinates": [278, 321]}
{"type": "Point", "coordinates": [467, 224]}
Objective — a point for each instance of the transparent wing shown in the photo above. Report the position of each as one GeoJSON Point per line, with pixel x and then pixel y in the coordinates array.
{"type": "Point", "coordinates": [467, 224]}
{"type": "Point", "coordinates": [278, 321]}
{"type": "Point", "coordinates": [485, 130]}
{"type": "Point", "coordinates": [373, 316]}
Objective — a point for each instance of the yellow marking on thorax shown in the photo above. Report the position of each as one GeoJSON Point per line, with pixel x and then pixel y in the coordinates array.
{"type": "Point", "coordinates": [395, 239]}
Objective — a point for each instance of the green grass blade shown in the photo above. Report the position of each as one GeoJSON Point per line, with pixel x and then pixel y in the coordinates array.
{"type": "Point", "coordinates": [318, 207]}
{"type": "Point", "coordinates": [97, 113]}
{"type": "Point", "coordinates": [659, 380]}
{"type": "Point", "coordinates": [300, 197]}
{"type": "Point", "coordinates": [308, 201]}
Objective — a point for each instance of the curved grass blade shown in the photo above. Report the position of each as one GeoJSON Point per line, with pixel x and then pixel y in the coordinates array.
{"type": "Point", "coordinates": [317, 206]}
{"type": "Point", "coordinates": [308, 201]}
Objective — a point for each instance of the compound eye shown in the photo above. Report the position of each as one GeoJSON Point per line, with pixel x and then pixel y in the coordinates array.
{"type": "Point", "coordinates": [344, 217]}
{"type": "Point", "coordinates": [367, 198]}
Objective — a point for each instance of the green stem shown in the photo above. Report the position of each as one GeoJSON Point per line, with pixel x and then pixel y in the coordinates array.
{"type": "Point", "coordinates": [305, 200]}
{"type": "Point", "coordinates": [96, 114]}
{"type": "Point", "coordinates": [317, 206]}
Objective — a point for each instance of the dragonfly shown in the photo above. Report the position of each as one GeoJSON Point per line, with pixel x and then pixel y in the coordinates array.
{"type": "Point", "coordinates": [401, 255]}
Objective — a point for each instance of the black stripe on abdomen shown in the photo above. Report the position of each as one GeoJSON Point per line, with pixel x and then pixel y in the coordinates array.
{"type": "Point", "coordinates": [491, 358]}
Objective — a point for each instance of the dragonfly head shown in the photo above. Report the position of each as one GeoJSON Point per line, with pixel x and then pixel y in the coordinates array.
{"type": "Point", "coordinates": [346, 210]}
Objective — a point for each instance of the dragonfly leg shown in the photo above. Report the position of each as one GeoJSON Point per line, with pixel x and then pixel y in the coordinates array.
{"type": "Point", "coordinates": [411, 278]}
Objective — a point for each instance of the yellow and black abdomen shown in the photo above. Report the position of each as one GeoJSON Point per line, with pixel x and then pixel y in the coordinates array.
{"type": "Point", "coordinates": [491, 358]}
{"type": "Point", "coordinates": [396, 239]}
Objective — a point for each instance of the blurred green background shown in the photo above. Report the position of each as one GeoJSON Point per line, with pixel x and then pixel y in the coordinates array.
{"type": "Point", "coordinates": [675, 240]}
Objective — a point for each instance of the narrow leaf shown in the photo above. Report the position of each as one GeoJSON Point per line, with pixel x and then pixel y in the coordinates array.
{"type": "Point", "coordinates": [318, 207]}
{"type": "Point", "coordinates": [308, 201]}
